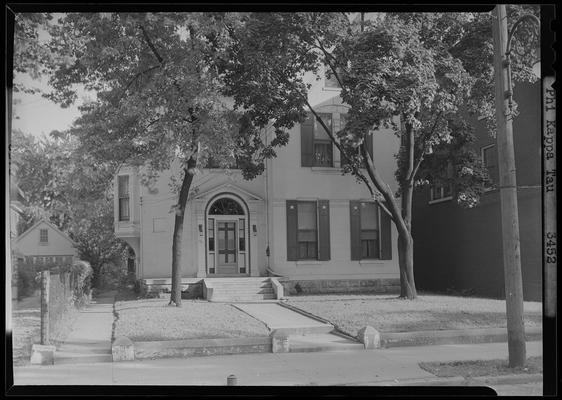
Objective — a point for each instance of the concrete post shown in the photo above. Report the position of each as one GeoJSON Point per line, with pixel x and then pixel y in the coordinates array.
{"type": "Point", "coordinates": [45, 286]}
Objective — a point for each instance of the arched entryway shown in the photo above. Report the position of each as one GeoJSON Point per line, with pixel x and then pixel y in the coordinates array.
{"type": "Point", "coordinates": [227, 236]}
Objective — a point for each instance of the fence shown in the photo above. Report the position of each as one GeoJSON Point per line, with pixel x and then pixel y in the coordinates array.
{"type": "Point", "coordinates": [63, 290]}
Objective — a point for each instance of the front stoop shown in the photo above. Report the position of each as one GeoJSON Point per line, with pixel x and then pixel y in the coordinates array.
{"type": "Point", "coordinates": [322, 342]}
{"type": "Point", "coordinates": [250, 289]}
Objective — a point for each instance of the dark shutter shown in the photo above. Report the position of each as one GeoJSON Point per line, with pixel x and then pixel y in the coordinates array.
{"type": "Point", "coordinates": [386, 236]}
{"type": "Point", "coordinates": [307, 141]}
{"type": "Point", "coordinates": [323, 230]}
{"type": "Point", "coordinates": [355, 233]}
{"type": "Point", "coordinates": [292, 248]}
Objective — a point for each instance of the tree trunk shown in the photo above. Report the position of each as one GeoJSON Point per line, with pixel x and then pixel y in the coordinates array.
{"type": "Point", "coordinates": [175, 296]}
{"type": "Point", "coordinates": [406, 264]}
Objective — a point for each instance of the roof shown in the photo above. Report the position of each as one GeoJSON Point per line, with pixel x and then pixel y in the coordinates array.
{"type": "Point", "coordinates": [41, 221]}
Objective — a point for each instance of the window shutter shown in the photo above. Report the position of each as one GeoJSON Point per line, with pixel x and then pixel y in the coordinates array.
{"type": "Point", "coordinates": [355, 233]}
{"type": "Point", "coordinates": [323, 230]}
{"type": "Point", "coordinates": [386, 236]}
{"type": "Point", "coordinates": [307, 141]}
{"type": "Point", "coordinates": [292, 248]}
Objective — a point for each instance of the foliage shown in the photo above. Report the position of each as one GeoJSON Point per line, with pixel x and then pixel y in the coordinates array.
{"type": "Point", "coordinates": [68, 188]}
{"type": "Point", "coordinates": [27, 284]}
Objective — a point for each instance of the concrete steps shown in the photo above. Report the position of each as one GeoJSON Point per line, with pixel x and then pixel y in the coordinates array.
{"type": "Point", "coordinates": [248, 289]}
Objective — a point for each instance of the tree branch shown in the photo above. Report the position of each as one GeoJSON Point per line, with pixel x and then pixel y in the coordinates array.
{"type": "Point", "coordinates": [424, 150]}
{"type": "Point", "coordinates": [151, 45]}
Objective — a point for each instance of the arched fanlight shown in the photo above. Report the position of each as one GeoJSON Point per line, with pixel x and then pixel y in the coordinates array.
{"type": "Point", "coordinates": [226, 206]}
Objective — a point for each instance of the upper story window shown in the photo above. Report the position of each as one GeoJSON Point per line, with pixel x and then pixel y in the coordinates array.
{"type": "Point", "coordinates": [490, 160]}
{"type": "Point", "coordinates": [330, 80]}
{"type": "Point", "coordinates": [123, 194]}
{"type": "Point", "coordinates": [316, 145]}
{"type": "Point", "coordinates": [213, 163]}
{"type": "Point", "coordinates": [439, 192]}
{"type": "Point", "coordinates": [43, 236]}
{"type": "Point", "coordinates": [323, 147]}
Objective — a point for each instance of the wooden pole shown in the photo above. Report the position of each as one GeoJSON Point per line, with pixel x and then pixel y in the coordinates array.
{"type": "Point", "coordinates": [45, 287]}
{"type": "Point", "coordinates": [508, 198]}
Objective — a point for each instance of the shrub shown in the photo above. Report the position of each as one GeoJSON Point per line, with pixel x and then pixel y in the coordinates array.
{"type": "Point", "coordinates": [112, 275]}
{"type": "Point", "coordinates": [27, 284]}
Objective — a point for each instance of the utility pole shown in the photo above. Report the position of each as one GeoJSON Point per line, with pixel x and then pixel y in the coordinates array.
{"type": "Point", "coordinates": [508, 195]}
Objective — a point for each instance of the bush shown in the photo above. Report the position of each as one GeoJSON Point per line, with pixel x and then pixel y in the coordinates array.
{"type": "Point", "coordinates": [27, 284]}
{"type": "Point", "coordinates": [112, 275]}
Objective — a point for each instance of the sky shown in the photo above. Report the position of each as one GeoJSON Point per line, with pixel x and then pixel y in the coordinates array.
{"type": "Point", "coordinates": [36, 115]}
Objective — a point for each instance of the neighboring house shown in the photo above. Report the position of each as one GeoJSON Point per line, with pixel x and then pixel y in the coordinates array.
{"type": "Point", "coordinates": [461, 249]}
{"type": "Point", "coordinates": [17, 203]}
{"type": "Point", "coordinates": [301, 219]}
{"type": "Point", "coordinates": [45, 244]}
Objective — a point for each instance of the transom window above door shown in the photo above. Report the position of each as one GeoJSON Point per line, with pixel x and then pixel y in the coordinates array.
{"type": "Point", "coordinates": [226, 206]}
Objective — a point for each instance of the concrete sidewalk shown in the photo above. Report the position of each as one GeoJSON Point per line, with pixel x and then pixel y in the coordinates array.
{"type": "Point", "coordinates": [384, 367]}
{"type": "Point", "coordinates": [89, 341]}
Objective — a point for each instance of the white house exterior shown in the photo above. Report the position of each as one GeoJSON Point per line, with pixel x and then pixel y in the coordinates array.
{"type": "Point", "coordinates": [302, 219]}
{"type": "Point", "coordinates": [45, 244]}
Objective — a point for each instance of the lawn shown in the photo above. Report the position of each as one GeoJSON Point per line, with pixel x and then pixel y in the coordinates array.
{"type": "Point", "coordinates": [469, 369]}
{"type": "Point", "coordinates": [26, 328]}
{"type": "Point", "coordinates": [388, 313]}
{"type": "Point", "coordinates": [154, 319]}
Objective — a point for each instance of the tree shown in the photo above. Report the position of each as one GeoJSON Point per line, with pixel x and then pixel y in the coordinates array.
{"type": "Point", "coordinates": [63, 188]}
{"type": "Point", "coordinates": [159, 99]}
{"type": "Point", "coordinates": [390, 76]}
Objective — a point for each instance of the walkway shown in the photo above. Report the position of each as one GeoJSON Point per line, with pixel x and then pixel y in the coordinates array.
{"type": "Point", "coordinates": [394, 366]}
{"type": "Point", "coordinates": [90, 338]}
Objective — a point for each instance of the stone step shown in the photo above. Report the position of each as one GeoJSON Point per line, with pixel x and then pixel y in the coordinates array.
{"type": "Point", "coordinates": [244, 291]}
{"type": "Point", "coordinates": [242, 298]}
{"type": "Point", "coordinates": [85, 357]}
{"type": "Point", "coordinates": [322, 342]}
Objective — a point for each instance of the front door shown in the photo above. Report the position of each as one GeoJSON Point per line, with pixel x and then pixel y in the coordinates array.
{"type": "Point", "coordinates": [227, 262]}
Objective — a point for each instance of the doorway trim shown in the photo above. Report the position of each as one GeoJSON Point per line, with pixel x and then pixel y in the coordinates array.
{"type": "Point", "coordinates": [246, 217]}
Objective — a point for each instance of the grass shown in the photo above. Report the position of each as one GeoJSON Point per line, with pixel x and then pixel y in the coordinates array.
{"type": "Point", "coordinates": [388, 313]}
{"type": "Point", "coordinates": [469, 369]}
{"type": "Point", "coordinates": [154, 319]}
{"type": "Point", "coordinates": [26, 328]}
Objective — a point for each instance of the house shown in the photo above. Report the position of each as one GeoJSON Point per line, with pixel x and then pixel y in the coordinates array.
{"type": "Point", "coordinates": [301, 220]}
{"type": "Point", "coordinates": [45, 244]}
{"type": "Point", "coordinates": [461, 249]}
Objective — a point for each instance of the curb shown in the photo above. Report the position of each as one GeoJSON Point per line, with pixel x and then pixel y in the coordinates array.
{"type": "Point", "coordinates": [458, 381]}
{"type": "Point", "coordinates": [472, 381]}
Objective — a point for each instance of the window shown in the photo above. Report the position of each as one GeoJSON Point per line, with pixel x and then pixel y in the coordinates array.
{"type": "Point", "coordinates": [316, 145]}
{"type": "Point", "coordinates": [490, 161]}
{"type": "Point", "coordinates": [323, 156]}
{"type": "Point", "coordinates": [123, 193]}
{"type": "Point", "coordinates": [330, 80]}
{"type": "Point", "coordinates": [212, 163]}
{"type": "Point", "coordinates": [43, 235]}
{"type": "Point", "coordinates": [441, 192]}
{"type": "Point", "coordinates": [370, 246]}
{"type": "Point", "coordinates": [370, 231]}
{"type": "Point", "coordinates": [306, 230]}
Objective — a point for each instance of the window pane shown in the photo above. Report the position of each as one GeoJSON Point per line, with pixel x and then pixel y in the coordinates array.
{"type": "Point", "coordinates": [124, 209]}
{"type": "Point", "coordinates": [242, 244]}
{"type": "Point", "coordinates": [319, 131]}
{"type": "Point", "coordinates": [43, 235]}
{"type": "Point", "coordinates": [306, 215]}
{"type": "Point", "coordinates": [369, 216]}
{"type": "Point", "coordinates": [447, 190]}
{"type": "Point", "coordinates": [308, 235]}
{"type": "Point", "coordinates": [123, 186]}
{"type": "Point", "coordinates": [323, 154]}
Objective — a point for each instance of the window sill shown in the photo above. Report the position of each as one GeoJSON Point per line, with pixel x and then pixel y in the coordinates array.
{"type": "Point", "coordinates": [43, 243]}
{"type": "Point", "coordinates": [327, 170]}
{"type": "Point", "coordinates": [309, 262]}
{"type": "Point", "coordinates": [331, 89]}
{"type": "Point", "coordinates": [371, 262]}
{"type": "Point", "coordinates": [448, 198]}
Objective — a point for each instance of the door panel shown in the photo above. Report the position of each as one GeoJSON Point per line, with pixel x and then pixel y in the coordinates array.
{"type": "Point", "coordinates": [227, 251]}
